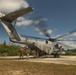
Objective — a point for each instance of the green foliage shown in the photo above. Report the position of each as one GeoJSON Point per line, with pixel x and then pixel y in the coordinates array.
{"type": "Point", "coordinates": [4, 43]}
{"type": "Point", "coordinates": [10, 50]}
{"type": "Point", "coordinates": [70, 52]}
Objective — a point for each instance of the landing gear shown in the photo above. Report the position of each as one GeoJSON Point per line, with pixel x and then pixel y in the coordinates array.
{"type": "Point", "coordinates": [34, 53]}
{"type": "Point", "coordinates": [56, 55]}
{"type": "Point", "coordinates": [37, 53]}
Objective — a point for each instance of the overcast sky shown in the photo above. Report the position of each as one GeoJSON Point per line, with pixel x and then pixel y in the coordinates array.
{"type": "Point", "coordinates": [59, 15]}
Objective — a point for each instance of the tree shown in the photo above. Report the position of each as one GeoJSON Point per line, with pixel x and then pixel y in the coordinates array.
{"type": "Point", "coordinates": [4, 43]}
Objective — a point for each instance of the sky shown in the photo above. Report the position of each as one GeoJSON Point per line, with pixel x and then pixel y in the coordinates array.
{"type": "Point", "coordinates": [58, 15]}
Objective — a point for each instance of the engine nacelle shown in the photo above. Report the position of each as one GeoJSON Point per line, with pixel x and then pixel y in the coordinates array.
{"type": "Point", "coordinates": [2, 15]}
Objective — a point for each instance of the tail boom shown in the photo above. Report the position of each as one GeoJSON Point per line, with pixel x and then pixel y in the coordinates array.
{"type": "Point", "coordinates": [10, 30]}
{"type": "Point", "coordinates": [7, 22]}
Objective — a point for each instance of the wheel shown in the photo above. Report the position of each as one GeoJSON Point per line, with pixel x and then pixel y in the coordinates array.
{"type": "Point", "coordinates": [56, 56]}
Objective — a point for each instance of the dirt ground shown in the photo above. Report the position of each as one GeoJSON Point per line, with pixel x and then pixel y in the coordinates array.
{"type": "Point", "coordinates": [13, 65]}
{"type": "Point", "coordinates": [67, 60]}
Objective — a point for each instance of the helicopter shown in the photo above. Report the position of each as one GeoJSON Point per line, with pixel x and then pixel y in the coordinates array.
{"type": "Point", "coordinates": [40, 46]}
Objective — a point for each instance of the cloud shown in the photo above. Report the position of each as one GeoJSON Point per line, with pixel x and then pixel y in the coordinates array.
{"type": "Point", "coordinates": [22, 21]}
{"type": "Point", "coordinates": [40, 20]}
{"type": "Point", "coordinates": [48, 31]}
{"type": "Point", "coordinates": [7, 6]}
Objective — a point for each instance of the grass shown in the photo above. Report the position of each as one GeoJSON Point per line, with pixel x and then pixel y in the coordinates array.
{"type": "Point", "coordinates": [10, 67]}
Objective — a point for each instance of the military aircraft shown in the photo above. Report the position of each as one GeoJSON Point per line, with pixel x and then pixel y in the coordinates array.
{"type": "Point", "coordinates": [41, 46]}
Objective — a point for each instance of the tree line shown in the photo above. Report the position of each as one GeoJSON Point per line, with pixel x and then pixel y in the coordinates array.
{"type": "Point", "coordinates": [13, 50]}
{"type": "Point", "coordinates": [9, 50]}
{"type": "Point", "coordinates": [70, 52]}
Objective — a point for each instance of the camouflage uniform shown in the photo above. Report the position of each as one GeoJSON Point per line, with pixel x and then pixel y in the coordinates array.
{"type": "Point", "coordinates": [21, 52]}
{"type": "Point", "coordinates": [27, 52]}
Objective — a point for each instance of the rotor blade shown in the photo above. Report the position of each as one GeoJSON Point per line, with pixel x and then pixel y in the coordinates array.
{"type": "Point", "coordinates": [43, 29]}
{"type": "Point", "coordinates": [64, 44]}
{"type": "Point", "coordinates": [26, 36]}
{"type": "Point", "coordinates": [65, 40]}
{"type": "Point", "coordinates": [41, 26]}
{"type": "Point", "coordinates": [67, 34]}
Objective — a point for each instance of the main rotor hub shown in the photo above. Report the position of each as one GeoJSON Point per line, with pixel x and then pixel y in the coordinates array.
{"type": "Point", "coordinates": [51, 39]}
